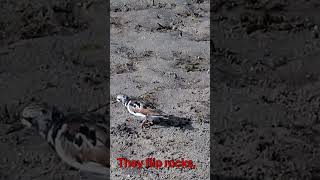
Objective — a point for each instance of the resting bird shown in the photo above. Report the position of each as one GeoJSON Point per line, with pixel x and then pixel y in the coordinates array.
{"type": "Point", "coordinates": [141, 108]}
{"type": "Point", "coordinates": [78, 139]}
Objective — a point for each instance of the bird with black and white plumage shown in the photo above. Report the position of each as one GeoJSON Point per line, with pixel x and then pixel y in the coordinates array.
{"type": "Point", "coordinates": [80, 140]}
{"type": "Point", "coordinates": [141, 108]}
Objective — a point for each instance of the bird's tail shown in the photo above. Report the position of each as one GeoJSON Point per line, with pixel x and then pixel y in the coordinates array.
{"type": "Point", "coordinates": [160, 116]}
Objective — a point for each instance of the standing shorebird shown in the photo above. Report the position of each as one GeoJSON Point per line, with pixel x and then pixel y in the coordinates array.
{"type": "Point", "coordinates": [78, 139]}
{"type": "Point", "coordinates": [140, 108]}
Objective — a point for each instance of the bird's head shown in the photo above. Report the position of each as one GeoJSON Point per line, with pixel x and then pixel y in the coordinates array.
{"type": "Point", "coordinates": [123, 99]}
{"type": "Point", "coordinates": [39, 116]}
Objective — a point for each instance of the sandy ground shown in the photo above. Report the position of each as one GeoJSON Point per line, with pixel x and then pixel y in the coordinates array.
{"type": "Point", "coordinates": [56, 55]}
{"type": "Point", "coordinates": [161, 53]}
{"type": "Point", "coordinates": [266, 89]}
{"type": "Point", "coordinates": [55, 52]}
{"type": "Point", "coordinates": [265, 84]}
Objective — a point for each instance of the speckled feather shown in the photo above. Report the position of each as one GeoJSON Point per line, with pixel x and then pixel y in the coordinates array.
{"type": "Point", "coordinates": [80, 140]}
{"type": "Point", "coordinates": [139, 107]}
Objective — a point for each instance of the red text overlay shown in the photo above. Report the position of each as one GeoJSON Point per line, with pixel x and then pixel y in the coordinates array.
{"type": "Point", "coordinates": [155, 163]}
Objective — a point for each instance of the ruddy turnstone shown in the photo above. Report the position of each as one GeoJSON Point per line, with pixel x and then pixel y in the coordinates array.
{"type": "Point", "coordinates": [141, 108]}
{"type": "Point", "coordinates": [78, 139]}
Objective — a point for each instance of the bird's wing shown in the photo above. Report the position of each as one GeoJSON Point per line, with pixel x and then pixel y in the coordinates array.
{"type": "Point", "coordinates": [143, 107]}
{"type": "Point", "coordinates": [142, 103]}
{"type": "Point", "coordinates": [81, 143]}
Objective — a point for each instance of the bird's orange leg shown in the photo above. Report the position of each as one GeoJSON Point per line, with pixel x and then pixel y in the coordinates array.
{"type": "Point", "coordinates": [146, 122]}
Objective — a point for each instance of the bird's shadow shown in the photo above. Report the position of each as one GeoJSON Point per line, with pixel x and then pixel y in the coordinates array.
{"type": "Point", "coordinates": [174, 121]}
